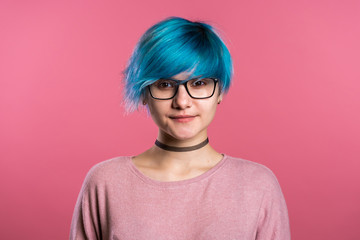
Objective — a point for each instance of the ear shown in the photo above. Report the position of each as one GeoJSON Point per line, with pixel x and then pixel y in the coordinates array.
{"type": "Point", "coordinates": [220, 97]}
{"type": "Point", "coordinates": [144, 98]}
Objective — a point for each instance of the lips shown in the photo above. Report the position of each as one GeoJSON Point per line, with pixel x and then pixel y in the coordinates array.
{"type": "Point", "coordinates": [183, 118]}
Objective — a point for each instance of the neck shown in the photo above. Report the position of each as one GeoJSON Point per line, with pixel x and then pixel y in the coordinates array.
{"type": "Point", "coordinates": [180, 162]}
{"type": "Point", "coordinates": [178, 157]}
{"type": "Point", "coordinates": [175, 142]}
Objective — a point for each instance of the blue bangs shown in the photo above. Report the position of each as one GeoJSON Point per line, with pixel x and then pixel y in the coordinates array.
{"type": "Point", "coordinates": [173, 46]}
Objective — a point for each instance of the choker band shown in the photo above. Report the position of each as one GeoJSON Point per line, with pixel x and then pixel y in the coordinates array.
{"type": "Point", "coordinates": [181, 149]}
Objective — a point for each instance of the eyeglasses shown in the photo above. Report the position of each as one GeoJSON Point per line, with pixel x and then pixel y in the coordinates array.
{"type": "Point", "coordinates": [198, 88]}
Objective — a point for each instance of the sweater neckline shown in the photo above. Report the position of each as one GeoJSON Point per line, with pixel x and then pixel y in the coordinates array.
{"type": "Point", "coordinates": [151, 181]}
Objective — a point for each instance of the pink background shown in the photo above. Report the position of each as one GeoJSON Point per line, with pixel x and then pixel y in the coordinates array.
{"type": "Point", "coordinates": [294, 104]}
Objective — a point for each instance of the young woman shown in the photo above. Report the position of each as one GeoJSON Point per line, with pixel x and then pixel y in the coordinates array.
{"type": "Point", "coordinates": [181, 188]}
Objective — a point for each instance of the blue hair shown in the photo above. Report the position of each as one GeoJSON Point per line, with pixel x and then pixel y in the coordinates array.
{"type": "Point", "coordinates": [170, 47]}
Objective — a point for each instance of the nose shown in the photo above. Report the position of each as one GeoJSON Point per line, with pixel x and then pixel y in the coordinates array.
{"type": "Point", "coordinates": [182, 99]}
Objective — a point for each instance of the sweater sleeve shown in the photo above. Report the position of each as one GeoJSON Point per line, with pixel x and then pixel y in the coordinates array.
{"type": "Point", "coordinates": [273, 221]}
{"type": "Point", "coordinates": [86, 221]}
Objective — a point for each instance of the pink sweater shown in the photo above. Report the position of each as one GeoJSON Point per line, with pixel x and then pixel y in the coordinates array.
{"type": "Point", "coordinates": [236, 199]}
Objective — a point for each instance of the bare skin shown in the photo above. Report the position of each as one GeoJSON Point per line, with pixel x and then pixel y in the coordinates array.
{"type": "Point", "coordinates": [162, 165]}
{"type": "Point", "coordinates": [166, 166]}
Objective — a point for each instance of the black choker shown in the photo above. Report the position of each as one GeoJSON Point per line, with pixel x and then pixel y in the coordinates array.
{"type": "Point", "coordinates": [181, 149]}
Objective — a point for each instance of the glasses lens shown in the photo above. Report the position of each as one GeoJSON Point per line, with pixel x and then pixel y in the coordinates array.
{"type": "Point", "coordinates": [201, 88]}
{"type": "Point", "coordinates": [163, 89]}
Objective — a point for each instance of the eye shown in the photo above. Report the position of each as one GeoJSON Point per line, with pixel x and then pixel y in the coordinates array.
{"type": "Point", "coordinates": [197, 83]}
{"type": "Point", "coordinates": [164, 84]}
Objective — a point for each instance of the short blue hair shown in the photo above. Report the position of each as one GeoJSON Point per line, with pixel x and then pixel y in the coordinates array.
{"type": "Point", "coordinates": [173, 46]}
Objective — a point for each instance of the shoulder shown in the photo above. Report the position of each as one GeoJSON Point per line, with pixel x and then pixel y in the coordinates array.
{"type": "Point", "coordinates": [106, 171]}
{"type": "Point", "coordinates": [252, 174]}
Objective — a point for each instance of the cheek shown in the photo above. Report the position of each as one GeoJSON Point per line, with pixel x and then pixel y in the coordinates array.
{"type": "Point", "coordinates": [209, 111]}
{"type": "Point", "coordinates": [157, 112]}
{"type": "Point", "coordinates": [153, 111]}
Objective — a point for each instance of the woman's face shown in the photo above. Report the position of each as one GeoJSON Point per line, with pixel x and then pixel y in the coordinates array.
{"type": "Point", "coordinates": [183, 117]}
